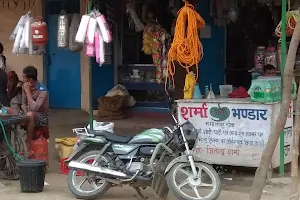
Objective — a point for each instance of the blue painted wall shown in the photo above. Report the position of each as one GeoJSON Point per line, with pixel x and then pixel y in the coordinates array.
{"type": "Point", "coordinates": [211, 67]}
{"type": "Point", "coordinates": [63, 71]}
{"type": "Point", "coordinates": [102, 80]}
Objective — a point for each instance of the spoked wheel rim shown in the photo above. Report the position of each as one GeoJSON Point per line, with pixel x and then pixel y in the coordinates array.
{"type": "Point", "coordinates": [8, 161]}
{"type": "Point", "coordinates": [187, 181]}
{"type": "Point", "coordinates": [88, 177]}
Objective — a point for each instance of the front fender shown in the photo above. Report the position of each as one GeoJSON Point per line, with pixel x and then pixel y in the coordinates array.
{"type": "Point", "coordinates": [184, 159]}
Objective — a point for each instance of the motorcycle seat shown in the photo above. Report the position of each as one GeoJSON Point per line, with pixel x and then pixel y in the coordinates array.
{"type": "Point", "coordinates": [111, 137]}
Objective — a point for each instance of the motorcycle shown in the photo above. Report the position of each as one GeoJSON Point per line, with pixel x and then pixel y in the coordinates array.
{"type": "Point", "coordinates": [157, 158]}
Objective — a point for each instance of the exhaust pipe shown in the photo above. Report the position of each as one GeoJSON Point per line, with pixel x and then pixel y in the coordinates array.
{"type": "Point", "coordinates": [86, 167]}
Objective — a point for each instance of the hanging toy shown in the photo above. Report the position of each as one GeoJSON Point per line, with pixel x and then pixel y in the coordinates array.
{"type": "Point", "coordinates": [233, 13]}
{"type": "Point", "coordinates": [139, 26]}
{"type": "Point", "coordinates": [292, 17]}
{"type": "Point", "coordinates": [63, 31]}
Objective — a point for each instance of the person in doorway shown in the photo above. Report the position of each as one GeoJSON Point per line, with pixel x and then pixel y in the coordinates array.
{"type": "Point", "coordinates": [14, 90]}
{"type": "Point", "coordinates": [3, 89]}
{"type": "Point", "coordinates": [269, 70]}
{"type": "Point", "coordinates": [35, 102]}
{"type": "Point", "coordinates": [2, 58]}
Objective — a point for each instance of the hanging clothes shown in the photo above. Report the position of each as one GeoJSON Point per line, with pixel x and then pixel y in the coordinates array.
{"type": "Point", "coordinates": [156, 41]}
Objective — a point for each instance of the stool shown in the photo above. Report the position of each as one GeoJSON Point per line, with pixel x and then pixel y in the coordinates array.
{"type": "Point", "coordinates": [39, 148]}
{"type": "Point", "coordinates": [39, 131]}
{"type": "Point", "coordinates": [42, 131]}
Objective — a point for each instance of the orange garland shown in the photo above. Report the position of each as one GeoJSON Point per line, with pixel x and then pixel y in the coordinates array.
{"type": "Point", "coordinates": [186, 47]}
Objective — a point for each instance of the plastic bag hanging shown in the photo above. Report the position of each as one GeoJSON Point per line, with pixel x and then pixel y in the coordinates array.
{"type": "Point", "coordinates": [105, 32]}
{"type": "Point", "coordinates": [139, 26]}
{"type": "Point", "coordinates": [73, 45]}
{"type": "Point", "coordinates": [18, 39]}
{"type": "Point", "coordinates": [102, 50]}
{"type": "Point", "coordinates": [91, 29]}
{"type": "Point", "coordinates": [97, 46]}
{"type": "Point", "coordinates": [15, 32]}
{"type": "Point", "coordinates": [27, 31]}
{"type": "Point", "coordinates": [63, 30]}
{"type": "Point", "coordinates": [83, 26]}
{"type": "Point", "coordinates": [90, 49]}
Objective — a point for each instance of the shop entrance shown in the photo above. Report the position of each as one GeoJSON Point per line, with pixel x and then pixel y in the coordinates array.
{"type": "Point", "coordinates": [63, 66]}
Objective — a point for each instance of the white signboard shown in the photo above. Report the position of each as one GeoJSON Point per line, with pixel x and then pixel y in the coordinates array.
{"type": "Point", "coordinates": [288, 138]}
{"type": "Point", "coordinates": [230, 133]}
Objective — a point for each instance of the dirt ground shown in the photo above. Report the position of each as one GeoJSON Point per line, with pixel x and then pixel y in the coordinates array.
{"type": "Point", "coordinates": [235, 185]}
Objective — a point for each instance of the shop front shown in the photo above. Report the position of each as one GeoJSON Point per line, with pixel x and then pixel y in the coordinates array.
{"type": "Point", "coordinates": [141, 64]}
{"type": "Point", "coordinates": [235, 131]}
{"type": "Point", "coordinates": [235, 124]}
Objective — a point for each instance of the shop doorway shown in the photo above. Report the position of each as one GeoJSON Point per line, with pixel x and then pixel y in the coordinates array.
{"type": "Point", "coordinates": [254, 27]}
{"type": "Point", "coordinates": [63, 66]}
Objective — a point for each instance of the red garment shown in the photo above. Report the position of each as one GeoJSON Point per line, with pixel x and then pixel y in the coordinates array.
{"type": "Point", "coordinates": [241, 92]}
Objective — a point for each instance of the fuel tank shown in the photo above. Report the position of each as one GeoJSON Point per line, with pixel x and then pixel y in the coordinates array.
{"type": "Point", "coordinates": [150, 136]}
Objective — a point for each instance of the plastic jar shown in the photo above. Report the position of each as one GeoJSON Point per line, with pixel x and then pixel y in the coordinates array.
{"type": "Point", "coordinates": [259, 59]}
{"type": "Point", "coordinates": [271, 57]}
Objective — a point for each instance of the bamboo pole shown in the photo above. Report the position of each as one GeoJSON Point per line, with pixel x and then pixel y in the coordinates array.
{"type": "Point", "coordinates": [90, 80]}
{"type": "Point", "coordinates": [282, 67]}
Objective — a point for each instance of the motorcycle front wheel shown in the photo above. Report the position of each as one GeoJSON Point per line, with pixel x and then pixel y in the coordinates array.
{"type": "Point", "coordinates": [98, 187]}
{"type": "Point", "coordinates": [184, 186]}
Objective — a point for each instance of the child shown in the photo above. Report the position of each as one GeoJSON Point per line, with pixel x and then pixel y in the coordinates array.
{"type": "Point", "coordinates": [269, 70]}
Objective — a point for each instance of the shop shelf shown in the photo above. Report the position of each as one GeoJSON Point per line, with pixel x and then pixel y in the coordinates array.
{"type": "Point", "coordinates": [151, 104]}
{"type": "Point", "coordinates": [144, 86]}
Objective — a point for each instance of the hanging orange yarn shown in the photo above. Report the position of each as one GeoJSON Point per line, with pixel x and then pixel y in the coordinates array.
{"type": "Point", "coordinates": [186, 47]}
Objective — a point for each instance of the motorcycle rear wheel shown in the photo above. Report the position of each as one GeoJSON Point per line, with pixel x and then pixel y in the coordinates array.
{"type": "Point", "coordinates": [193, 184]}
{"type": "Point", "coordinates": [98, 191]}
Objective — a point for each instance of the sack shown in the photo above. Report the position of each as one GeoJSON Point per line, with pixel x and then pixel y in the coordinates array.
{"type": "Point", "coordinates": [103, 126]}
{"type": "Point", "coordinates": [118, 90]}
{"type": "Point", "coordinates": [73, 45]}
{"type": "Point", "coordinates": [64, 146]}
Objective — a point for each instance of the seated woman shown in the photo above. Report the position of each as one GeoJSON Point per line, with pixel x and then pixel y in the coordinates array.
{"type": "Point", "coordinates": [14, 90]}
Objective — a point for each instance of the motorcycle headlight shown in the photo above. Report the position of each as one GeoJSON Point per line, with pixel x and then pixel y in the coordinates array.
{"type": "Point", "coordinates": [190, 133]}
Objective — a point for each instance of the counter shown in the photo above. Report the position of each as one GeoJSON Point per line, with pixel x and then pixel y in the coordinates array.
{"type": "Point", "coordinates": [234, 131]}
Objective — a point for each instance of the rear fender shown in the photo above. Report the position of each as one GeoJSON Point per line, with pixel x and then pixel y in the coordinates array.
{"type": "Point", "coordinates": [78, 151]}
{"type": "Point", "coordinates": [184, 159]}
{"type": "Point", "coordinates": [83, 146]}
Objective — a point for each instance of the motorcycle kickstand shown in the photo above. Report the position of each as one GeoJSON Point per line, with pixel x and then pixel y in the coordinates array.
{"type": "Point", "coordinates": [140, 195]}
